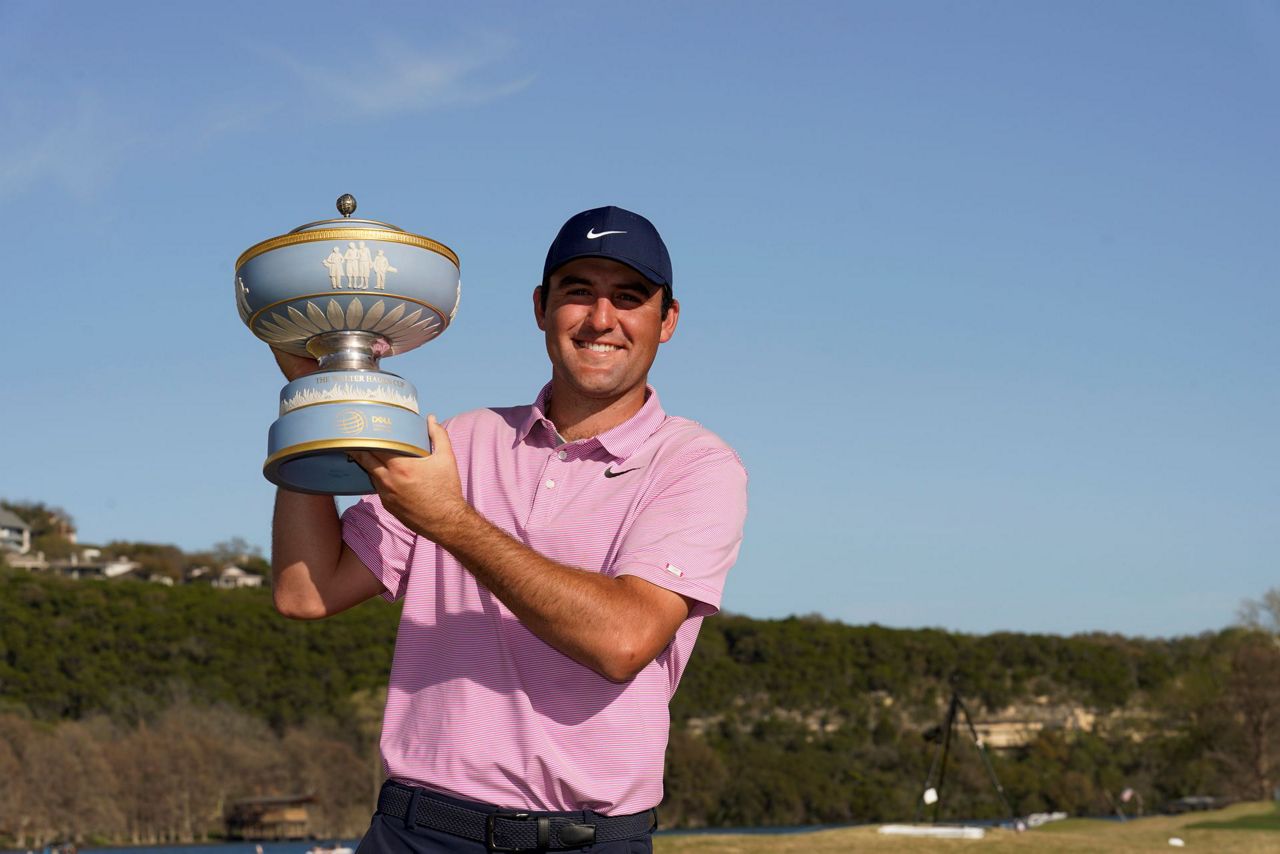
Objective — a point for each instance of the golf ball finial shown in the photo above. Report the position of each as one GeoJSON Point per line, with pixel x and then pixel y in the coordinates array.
{"type": "Point", "coordinates": [346, 204]}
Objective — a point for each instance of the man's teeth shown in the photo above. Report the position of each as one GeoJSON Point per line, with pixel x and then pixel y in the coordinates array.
{"type": "Point", "coordinates": [601, 348]}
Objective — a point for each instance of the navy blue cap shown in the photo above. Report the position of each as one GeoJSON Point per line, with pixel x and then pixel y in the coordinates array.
{"type": "Point", "coordinates": [613, 233]}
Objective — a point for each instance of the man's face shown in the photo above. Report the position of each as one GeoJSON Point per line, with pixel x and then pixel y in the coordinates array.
{"type": "Point", "coordinates": [603, 323]}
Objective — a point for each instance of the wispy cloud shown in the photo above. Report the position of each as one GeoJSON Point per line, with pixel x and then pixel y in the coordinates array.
{"type": "Point", "coordinates": [395, 79]}
{"type": "Point", "coordinates": [76, 139]}
{"type": "Point", "coordinates": [77, 144]}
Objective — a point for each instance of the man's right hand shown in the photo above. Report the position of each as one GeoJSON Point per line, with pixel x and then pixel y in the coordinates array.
{"type": "Point", "coordinates": [293, 366]}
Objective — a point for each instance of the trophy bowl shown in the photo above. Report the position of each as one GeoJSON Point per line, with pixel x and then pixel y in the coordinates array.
{"type": "Point", "coordinates": [346, 292]}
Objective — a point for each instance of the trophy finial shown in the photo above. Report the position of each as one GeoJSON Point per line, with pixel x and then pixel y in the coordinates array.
{"type": "Point", "coordinates": [346, 204]}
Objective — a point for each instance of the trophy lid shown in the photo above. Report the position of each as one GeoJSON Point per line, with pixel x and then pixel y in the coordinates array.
{"type": "Point", "coordinates": [346, 206]}
{"type": "Point", "coordinates": [324, 230]}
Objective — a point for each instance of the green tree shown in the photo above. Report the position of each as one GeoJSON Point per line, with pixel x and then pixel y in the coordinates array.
{"type": "Point", "coordinates": [694, 781]}
{"type": "Point", "coordinates": [1251, 705]}
{"type": "Point", "coordinates": [53, 530]}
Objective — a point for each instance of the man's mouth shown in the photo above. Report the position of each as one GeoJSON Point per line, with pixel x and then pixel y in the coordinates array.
{"type": "Point", "coordinates": [596, 346]}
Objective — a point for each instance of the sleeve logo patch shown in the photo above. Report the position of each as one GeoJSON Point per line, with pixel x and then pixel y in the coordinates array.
{"type": "Point", "coordinates": [674, 570]}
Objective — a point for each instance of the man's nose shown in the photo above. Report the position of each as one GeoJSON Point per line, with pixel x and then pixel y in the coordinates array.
{"type": "Point", "coordinates": [602, 315]}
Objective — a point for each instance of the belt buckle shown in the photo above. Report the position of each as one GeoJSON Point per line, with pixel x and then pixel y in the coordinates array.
{"type": "Point", "coordinates": [489, 824]}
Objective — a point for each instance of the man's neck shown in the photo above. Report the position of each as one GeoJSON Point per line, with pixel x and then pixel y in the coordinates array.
{"type": "Point", "coordinates": [579, 418]}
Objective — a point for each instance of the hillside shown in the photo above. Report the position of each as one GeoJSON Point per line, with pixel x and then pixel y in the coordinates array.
{"type": "Point", "coordinates": [777, 722]}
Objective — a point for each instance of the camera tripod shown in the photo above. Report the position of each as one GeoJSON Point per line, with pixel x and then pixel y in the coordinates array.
{"type": "Point", "coordinates": [938, 770]}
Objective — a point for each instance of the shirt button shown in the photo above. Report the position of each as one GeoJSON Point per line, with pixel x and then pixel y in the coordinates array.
{"type": "Point", "coordinates": [551, 484]}
{"type": "Point", "coordinates": [564, 455]}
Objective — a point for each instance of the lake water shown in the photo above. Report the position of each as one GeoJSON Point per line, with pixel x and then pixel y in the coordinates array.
{"type": "Point", "coordinates": [301, 847]}
{"type": "Point", "coordinates": [219, 848]}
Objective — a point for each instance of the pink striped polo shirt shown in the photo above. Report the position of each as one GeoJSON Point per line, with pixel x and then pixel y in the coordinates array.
{"type": "Point", "coordinates": [480, 708]}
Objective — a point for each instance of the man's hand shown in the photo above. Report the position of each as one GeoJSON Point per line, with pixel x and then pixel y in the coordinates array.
{"type": "Point", "coordinates": [293, 366]}
{"type": "Point", "coordinates": [615, 626]}
{"type": "Point", "coordinates": [422, 492]}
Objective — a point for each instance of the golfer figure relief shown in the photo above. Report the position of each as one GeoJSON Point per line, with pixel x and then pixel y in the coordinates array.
{"type": "Point", "coordinates": [356, 263]}
{"type": "Point", "coordinates": [334, 265]}
{"type": "Point", "coordinates": [382, 266]}
{"type": "Point", "coordinates": [366, 263]}
{"type": "Point", "coordinates": [352, 259]}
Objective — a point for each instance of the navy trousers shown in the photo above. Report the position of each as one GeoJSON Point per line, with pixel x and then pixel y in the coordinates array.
{"type": "Point", "coordinates": [390, 835]}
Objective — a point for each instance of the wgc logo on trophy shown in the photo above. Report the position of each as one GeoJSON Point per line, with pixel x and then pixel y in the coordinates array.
{"type": "Point", "coordinates": [346, 292]}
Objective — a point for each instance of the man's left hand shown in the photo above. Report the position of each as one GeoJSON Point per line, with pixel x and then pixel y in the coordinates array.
{"type": "Point", "coordinates": [424, 493]}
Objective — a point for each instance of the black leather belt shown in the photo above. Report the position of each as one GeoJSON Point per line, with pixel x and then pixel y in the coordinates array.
{"type": "Point", "coordinates": [510, 831]}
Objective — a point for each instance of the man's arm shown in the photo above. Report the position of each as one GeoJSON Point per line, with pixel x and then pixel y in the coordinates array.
{"type": "Point", "coordinates": [615, 626]}
{"type": "Point", "coordinates": [313, 573]}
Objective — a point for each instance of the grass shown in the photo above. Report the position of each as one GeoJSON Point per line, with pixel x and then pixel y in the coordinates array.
{"type": "Point", "coordinates": [1250, 821]}
{"type": "Point", "coordinates": [1062, 837]}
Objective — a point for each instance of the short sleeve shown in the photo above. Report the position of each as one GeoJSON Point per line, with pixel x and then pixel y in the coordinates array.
{"type": "Point", "coordinates": [382, 543]}
{"type": "Point", "coordinates": [687, 536]}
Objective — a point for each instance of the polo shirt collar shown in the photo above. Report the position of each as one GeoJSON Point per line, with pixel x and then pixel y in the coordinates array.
{"type": "Point", "coordinates": [620, 442]}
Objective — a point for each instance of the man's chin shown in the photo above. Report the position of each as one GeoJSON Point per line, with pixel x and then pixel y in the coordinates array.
{"type": "Point", "coordinates": [600, 390]}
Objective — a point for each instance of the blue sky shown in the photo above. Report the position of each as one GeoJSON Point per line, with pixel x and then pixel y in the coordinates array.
{"type": "Point", "coordinates": [983, 293]}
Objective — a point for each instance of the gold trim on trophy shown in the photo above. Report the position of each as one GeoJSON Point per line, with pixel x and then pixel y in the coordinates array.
{"type": "Point", "coordinates": [350, 444]}
{"type": "Point", "coordinates": [325, 235]}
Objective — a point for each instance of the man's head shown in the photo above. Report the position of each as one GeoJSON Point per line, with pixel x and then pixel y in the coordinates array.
{"type": "Point", "coordinates": [614, 233]}
{"type": "Point", "coordinates": [605, 306]}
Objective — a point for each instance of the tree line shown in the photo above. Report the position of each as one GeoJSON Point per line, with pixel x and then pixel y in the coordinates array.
{"type": "Point", "coordinates": [125, 687]}
{"type": "Point", "coordinates": [170, 777]}
{"type": "Point", "coordinates": [803, 721]}
{"type": "Point", "coordinates": [53, 534]}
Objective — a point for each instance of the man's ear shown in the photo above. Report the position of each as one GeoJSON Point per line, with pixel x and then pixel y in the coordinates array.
{"type": "Point", "coordinates": [539, 315]}
{"type": "Point", "coordinates": [669, 322]}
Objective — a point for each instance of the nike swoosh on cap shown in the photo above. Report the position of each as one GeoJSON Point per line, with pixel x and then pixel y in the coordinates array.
{"type": "Point", "coordinates": [592, 234]}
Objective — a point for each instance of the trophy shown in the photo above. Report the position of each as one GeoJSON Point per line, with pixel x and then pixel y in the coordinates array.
{"type": "Point", "coordinates": [346, 292]}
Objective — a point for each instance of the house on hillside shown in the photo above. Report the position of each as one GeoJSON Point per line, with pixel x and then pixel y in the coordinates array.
{"type": "Point", "coordinates": [276, 817]}
{"type": "Point", "coordinates": [31, 561]}
{"type": "Point", "coordinates": [15, 534]}
{"type": "Point", "coordinates": [233, 577]}
{"type": "Point", "coordinates": [91, 564]}
{"type": "Point", "coordinates": [194, 574]}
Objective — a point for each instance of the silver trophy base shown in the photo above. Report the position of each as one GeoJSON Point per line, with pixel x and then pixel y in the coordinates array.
{"type": "Point", "coordinates": [326, 415]}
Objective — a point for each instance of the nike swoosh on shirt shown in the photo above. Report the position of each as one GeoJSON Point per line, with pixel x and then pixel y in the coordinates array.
{"type": "Point", "coordinates": [592, 234]}
{"type": "Point", "coordinates": [609, 472]}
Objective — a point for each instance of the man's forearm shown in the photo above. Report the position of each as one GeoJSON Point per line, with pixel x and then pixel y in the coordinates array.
{"type": "Point", "coordinates": [604, 623]}
{"type": "Point", "coordinates": [306, 541]}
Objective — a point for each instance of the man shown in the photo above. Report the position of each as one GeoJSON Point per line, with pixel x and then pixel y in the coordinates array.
{"type": "Point", "coordinates": [334, 265]}
{"type": "Point", "coordinates": [382, 266]}
{"type": "Point", "coordinates": [555, 560]}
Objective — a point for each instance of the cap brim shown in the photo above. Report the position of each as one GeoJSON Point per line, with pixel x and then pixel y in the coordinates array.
{"type": "Point", "coordinates": [650, 275]}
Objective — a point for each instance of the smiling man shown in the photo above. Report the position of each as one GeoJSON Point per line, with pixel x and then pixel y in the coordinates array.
{"type": "Point", "coordinates": [555, 560]}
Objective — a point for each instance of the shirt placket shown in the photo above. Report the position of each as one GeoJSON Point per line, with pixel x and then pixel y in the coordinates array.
{"type": "Point", "coordinates": [557, 468]}
{"type": "Point", "coordinates": [551, 483]}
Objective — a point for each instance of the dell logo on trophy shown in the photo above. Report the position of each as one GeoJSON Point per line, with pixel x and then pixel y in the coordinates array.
{"type": "Point", "coordinates": [346, 292]}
